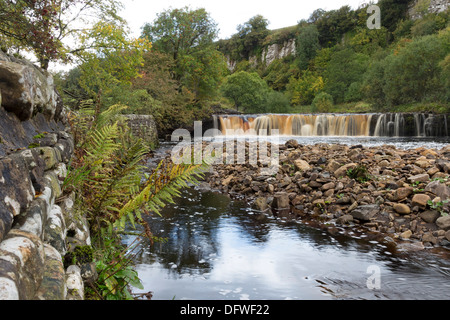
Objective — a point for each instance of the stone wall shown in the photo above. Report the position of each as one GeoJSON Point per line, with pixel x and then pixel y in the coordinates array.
{"type": "Point", "coordinates": [37, 223]}
{"type": "Point", "coordinates": [143, 126]}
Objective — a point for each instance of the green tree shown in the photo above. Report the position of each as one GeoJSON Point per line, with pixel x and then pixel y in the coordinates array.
{"type": "Point", "coordinates": [204, 71]}
{"type": "Point", "coordinates": [247, 90]}
{"type": "Point", "coordinates": [392, 12]}
{"type": "Point", "coordinates": [307, 45]}
{"type": "Point", "coordinates": [344, 68]}
{"type": "Point", "coordinates": [322, 103]}
{"type": "Point", "coordinates": [277, 102]}
{"type": "Point", "coordinates": [333, 24]}
{"type": "Point", "coordinates": [251, 35]}
{"type": "Point", "coordinates": [305, 88]}
{"type": "Point", "coordinates": [115, 62]}
{"type": "Point", "coordinates": [413, 73]}
{"type": "Point", "coordinates": [181, 31]}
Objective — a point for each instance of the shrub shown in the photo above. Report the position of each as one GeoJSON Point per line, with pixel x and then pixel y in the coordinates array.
{"type": "Point", "coordinates": [322, 102]}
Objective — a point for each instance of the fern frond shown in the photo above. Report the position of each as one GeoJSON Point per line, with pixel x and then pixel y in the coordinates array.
{"type": "Point", "coordinates": [161, 187]}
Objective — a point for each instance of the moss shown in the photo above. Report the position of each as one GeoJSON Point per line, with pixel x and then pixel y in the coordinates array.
{"type": "Point", "coordinates": [79, 256]}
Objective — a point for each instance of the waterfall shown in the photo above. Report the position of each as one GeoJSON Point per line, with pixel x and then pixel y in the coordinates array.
{"type": "Point", "coordinates": [381, 125]}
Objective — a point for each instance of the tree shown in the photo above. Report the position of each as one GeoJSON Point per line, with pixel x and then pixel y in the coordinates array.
{"type": "Point", "coordinates": [247, 90]}
{"type": "Point", "coordinates": [42, 26]}
{"type": "Point", "coordinates": [413, 73]}
{"type": "Point", "coordinates": [332, 25]}
{"type": "Point", "coordinates": [252, 34]}
{"type": "Point", "coordinates": [345, 67]}
{"type": "Point", "coordinates": [204, 71]}
{"type": "Point", "coordinates": [305, 88]}
{"type": "Point", "coordinates": [114, 62]}
{"type": "Point", "coordinates": [393, 11]}
{"type": "Point", "coordinates": [181, 31]}
{"type": "Point", "coordinates": [307, 45]}
{"type": "Point", "coordinates": [322, 103]}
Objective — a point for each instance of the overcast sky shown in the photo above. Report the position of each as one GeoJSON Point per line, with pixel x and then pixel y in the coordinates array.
{"type": "Point", "coordinates": [228, 14]}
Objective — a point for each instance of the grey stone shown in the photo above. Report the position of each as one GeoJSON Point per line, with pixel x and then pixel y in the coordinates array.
{"type": "Point", "coordinates": [439, 189]}
{"type": "Point", "coordinates": [443, 222]}
{"type": "Point", "coordinates": [429, 216]}
{"type": "Point", "coordinates": [365, 212]}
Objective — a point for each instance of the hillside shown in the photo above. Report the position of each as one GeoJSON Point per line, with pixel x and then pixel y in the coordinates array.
{"type": "Point", "coordinates": [333, 62]}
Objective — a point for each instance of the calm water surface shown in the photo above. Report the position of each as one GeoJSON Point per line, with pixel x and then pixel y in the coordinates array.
{"type": "Point", "coordinates": [218, 249]}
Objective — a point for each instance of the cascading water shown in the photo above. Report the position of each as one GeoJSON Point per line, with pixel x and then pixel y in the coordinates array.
{"type": "Point", "coordinates": [378, 125]}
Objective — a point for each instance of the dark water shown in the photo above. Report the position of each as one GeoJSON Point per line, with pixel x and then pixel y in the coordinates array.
{"type": "Point", "coordinates": [218, 249]}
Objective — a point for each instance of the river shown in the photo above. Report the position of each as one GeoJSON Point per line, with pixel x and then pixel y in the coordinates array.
{"type": "Point", "coordinates": [217, 248]}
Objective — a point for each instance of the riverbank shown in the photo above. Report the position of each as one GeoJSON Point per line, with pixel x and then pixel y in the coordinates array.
{"type": "Point", "coordinates": [399, 196]}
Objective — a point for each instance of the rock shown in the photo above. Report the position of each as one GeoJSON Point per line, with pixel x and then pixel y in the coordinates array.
{"type": "Point", "coordinates": [74, 282]}
{"type": "Point", "coordinates": [402, 208]}
{"type": "Point", "coordinates": [447, 235]}
{"type": "Point", "coordinates": [420, 200]}
{"type": "Point", "coordinates": [292, 143]}
{"type": "Point", "coordinates": [26, 89]}
{"type": "Point", "coordinates": [345, 219]}
{"type": "Point", "coordinates": [406, 234]}
{"type": "Point", "coordinates": [439, 189]}
{"type": "Point", "coordinates": [226, 181]}
{"type": "Point", "coordinates": [428, 237]}
{"type": "Point", "coordinates": [333, 165]}
{"type": "Point", "coordinates": [423, 177]}
{"type": "Point", "coordinates": [302, 165]}
{"type": "Point", "coordinates": [401, 193]}
{"type": "Point", "coordinates": [329, 185]}
{"type": "Point", "coordinates": [365, 212]}
{"type": "Point", "coordinates": [260, 204]}
{"type": "Point", "coordinates": [443, 222]}
{"type": "Point", "coordinates": [443, 165]}
{"type": "Point", "coordinates": [280, 201]}
{"type": "Point", "coordinates": [52, 286]}
{"type": "Point", "coordinates": [342, 171]}
{"type": "Point", "coordinates": [429, 216]}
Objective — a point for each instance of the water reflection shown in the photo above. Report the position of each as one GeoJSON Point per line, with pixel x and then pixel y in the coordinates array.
{"type": "Point", "coordinates": [219, 249]}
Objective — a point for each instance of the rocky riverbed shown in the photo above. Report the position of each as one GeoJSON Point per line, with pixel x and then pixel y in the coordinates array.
{"type": "Point", "coordinates": [400, 196]}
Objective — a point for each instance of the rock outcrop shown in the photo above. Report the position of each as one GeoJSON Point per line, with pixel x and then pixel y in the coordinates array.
{"type": "Point", "coordinates": [37, 221]}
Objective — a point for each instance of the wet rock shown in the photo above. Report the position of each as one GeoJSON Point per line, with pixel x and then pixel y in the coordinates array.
{"type": "Point", "coordinates": [447, 235]}
{"type": "Point", "coordinates": [280, 201]}
{"type": "Point", "coordinates": [345, 219]}
{"type": "Point", "coordinates": [292, 143]}
{"type": "Point", "coordinates": [428, 237]}
{"type": "Point", "coordinates": [260, 204]}
{"type": "Point", "coordinates": [406, 234]}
